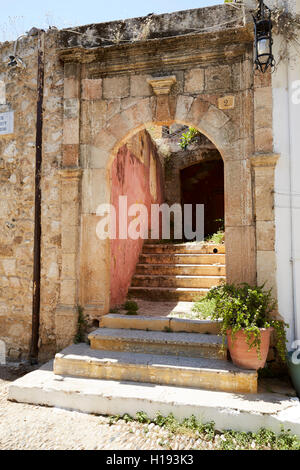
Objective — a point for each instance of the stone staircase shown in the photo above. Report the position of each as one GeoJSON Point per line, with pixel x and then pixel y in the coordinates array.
{"type": "Point", "coordinates": [159, 349]}
{"type": "Point", "coordinates": [181, 272]}
{"type": "Point", "coordinates": [172, 352]}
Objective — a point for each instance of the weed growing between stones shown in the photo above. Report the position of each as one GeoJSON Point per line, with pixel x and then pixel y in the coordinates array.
{"type": "Point", "coordinates": [81, 327]}
{"type": "Point", "coordinates": [205, 436]}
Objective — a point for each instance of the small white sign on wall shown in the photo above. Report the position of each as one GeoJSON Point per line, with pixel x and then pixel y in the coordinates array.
{"type": "Point", "coordinates": [7, 123]}
{"type": "Point", "coordinates": [2, 92]}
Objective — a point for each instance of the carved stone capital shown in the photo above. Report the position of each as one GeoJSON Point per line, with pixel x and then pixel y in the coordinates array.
{"type": "Point", "coordinates": [70, 173]}
{"type": "Point", "coordinates": [264, 160]}
{"type": "Point", "coordinates": [162, 85]}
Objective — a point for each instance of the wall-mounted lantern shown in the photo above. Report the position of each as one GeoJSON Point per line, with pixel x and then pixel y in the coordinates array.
{"type": "Point", "coordinates": [263, 38]}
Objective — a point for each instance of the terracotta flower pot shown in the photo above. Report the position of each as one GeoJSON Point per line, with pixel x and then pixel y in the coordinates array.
{"type": "Point", "coordinates": [243, 357]}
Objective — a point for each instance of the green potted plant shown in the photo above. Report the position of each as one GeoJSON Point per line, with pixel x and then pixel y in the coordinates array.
{"type": "Point", "coordinates": [247, 323]}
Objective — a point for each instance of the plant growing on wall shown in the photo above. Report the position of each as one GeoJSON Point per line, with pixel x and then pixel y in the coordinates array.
{"type": "Point", "coordinates": [81, 326]}
{"type": "Point", "coordinates": [188, 137]}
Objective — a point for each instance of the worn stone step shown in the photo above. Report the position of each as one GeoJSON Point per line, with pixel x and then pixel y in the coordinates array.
{"type": "Point", "coordinates": [161, 258]}
{"type": "Point", "coordinates": [181, 269]}
{"type": "Point", "coordinates": [185, 248]}
{"type": "Point", "coordinates": [159, 294]}
{"type": "Point", "coordinates": [157, 342]}
{"type": "Point", "coordinates": [235, 411]}
{"type": "Point", "coordinates": [207, 282]}
{"type": "Point", "coordinates": [209, 374]}
{"type": "Point", "coordinates": [148, 323]}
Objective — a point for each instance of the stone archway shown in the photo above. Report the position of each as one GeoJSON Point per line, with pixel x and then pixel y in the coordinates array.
{"type": "Point", "coordinates": [218, 127]}
{"type": "Point", "coordinates": [109, 96]}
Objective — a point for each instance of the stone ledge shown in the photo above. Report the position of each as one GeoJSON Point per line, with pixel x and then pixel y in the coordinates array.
{"type": "Point", "coordinates": [264, 159]}
{"type": "Point", "coordinates": [238, 412]}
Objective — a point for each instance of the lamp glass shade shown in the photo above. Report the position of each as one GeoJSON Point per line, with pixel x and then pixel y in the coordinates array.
{"type": "Point", "coordinates": [263, 50]}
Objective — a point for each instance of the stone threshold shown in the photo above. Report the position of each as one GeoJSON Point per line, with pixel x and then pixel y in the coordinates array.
{"type": "Point", "coordinates": [106, 397]}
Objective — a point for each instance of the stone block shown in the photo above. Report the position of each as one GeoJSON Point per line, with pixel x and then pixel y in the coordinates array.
{"type": "Point", "coordinates": [139, 86]}
{"type": "Point", "coordinates": [66, 319]}
{"type": "Point", "coordinates": [163, 109]}
{"type": "Point", "coordinates": [69, 239]}
{"type": "Point", "coordinates": [95, 267]}
{"type": "Point", "coordinates": [113, 108]}
{"type": "Point", "coordinates": [263, 140]}
{"type": "Point", "coordinates": [266, 270]}
{"type": "Point", "coordinates": [263, 98]}
{"type": "Point", "coordinates": [265, 235]}
{"type": "Point", "coordinates": [215, 118]}
{"type": "Point", "coordinates": [238, 193]}
{"type": "Point", "coordinates": [71, 131]}
{"type": "Point", "coordinates": [198, 110]}
{"type": "Point", "coordinates": [68, 292]}
{"type": "Point", "coordinates": [71, 108]}
{"type": "Point", "coordinates": [263, 118]}
{"type": "Point", "coordinates": [71, 88]}
{"type": "Point", "coordinates": [70, 155]}
{"type": "Point", "coordinates": [183, 107]}
{"type": "Point", "coordinates": [241, 254]}
{"type": "Point", "coordinates": [94, 190]}
{"type": "Point", "coordinates": [9, 267]}
{"type": "Point", "coordinates": [262, 79]}
{"type": "Point", "coordinates": [264, 193]}
{"type": "Point", "coordinates": [70, 215]}
{"type": "Point", "coordinates": [91, 89]}
{"type": "Point", "coordinates": [194, 81]}
{"type": "Point", "coordinates": [116, 87]}
{"type": "Point", "coordinates": [69, 266]}
{"type": "Point", "coordinates": [218, 78]}
{"type": "Point", "coordinates": [70, 191]}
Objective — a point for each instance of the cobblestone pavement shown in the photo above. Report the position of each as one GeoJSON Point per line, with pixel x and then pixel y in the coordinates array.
{"type": "Point", "coordinates": [36, 428]}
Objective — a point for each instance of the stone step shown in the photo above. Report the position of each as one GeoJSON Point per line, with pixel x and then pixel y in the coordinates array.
{"type": "Point", "coordinates": [236, 411]}
{"type": "Point", "coordinates": [161, 258]}
{"type": "Point", "coordinates": [206, 282]}
{"type": "Point", "coordinates": [181, 269]}
{"type": "Point", "coordinates": [80, 361]}
{"type": "Point", "coordinates": [159, 294]}
{"type": "Point", "coordinates": [148, 323]}
{"type": "Point", "coordinates": [185, 248]}
{"type": "Point", "coordinates": [157, 342]}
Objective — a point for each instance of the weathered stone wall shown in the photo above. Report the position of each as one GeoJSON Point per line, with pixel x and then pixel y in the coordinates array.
{"type": "Point", "coordinates": [17, 166]}
{"type": "Point", "coordinates": [52, 194]}
{"type": "Point", "coordinates": [97, 95]}
{"type": "Point", "coordinates": [17, 173]}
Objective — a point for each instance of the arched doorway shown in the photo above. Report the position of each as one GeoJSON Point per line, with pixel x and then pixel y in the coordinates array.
{"type": "Point", "coordinates": [203, 183]}
{"type": "Point", "coordinates": [140, 174]}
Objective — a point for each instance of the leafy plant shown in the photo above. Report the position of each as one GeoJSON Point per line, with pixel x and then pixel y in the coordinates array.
{"type": "Point", "coordinates": [216, 238]}
{"type": "Point", "coordinates": [243, 307]}
{"type": "Point", "coordinates": [131, 307]}
{"type": "Point", "coordinates": [188, 137]}
{"type": "Point", "coordinates": [204, 308]}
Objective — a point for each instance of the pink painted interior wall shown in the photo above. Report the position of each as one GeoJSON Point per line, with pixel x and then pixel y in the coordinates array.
{"type": "Point", "coordinates": [131, 177]}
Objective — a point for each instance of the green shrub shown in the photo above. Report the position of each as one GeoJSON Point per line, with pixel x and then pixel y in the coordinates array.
{"type": "Point", "coordinates": [250, 308]}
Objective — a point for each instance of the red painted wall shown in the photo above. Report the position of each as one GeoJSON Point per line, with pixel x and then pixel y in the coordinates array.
{"type": "Point", "coordinates": [131, 177]}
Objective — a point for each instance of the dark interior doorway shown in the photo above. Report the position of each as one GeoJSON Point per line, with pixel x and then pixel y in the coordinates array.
{"type": "Point", "coordinates": [203, 183]}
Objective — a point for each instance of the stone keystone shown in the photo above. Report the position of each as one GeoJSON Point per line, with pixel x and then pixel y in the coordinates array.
{"type": "Point", "coordinates": [162, 85]}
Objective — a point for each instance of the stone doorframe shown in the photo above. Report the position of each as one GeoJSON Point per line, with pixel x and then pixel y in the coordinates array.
{"type": "Point", "coordinates": [92, 142]}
